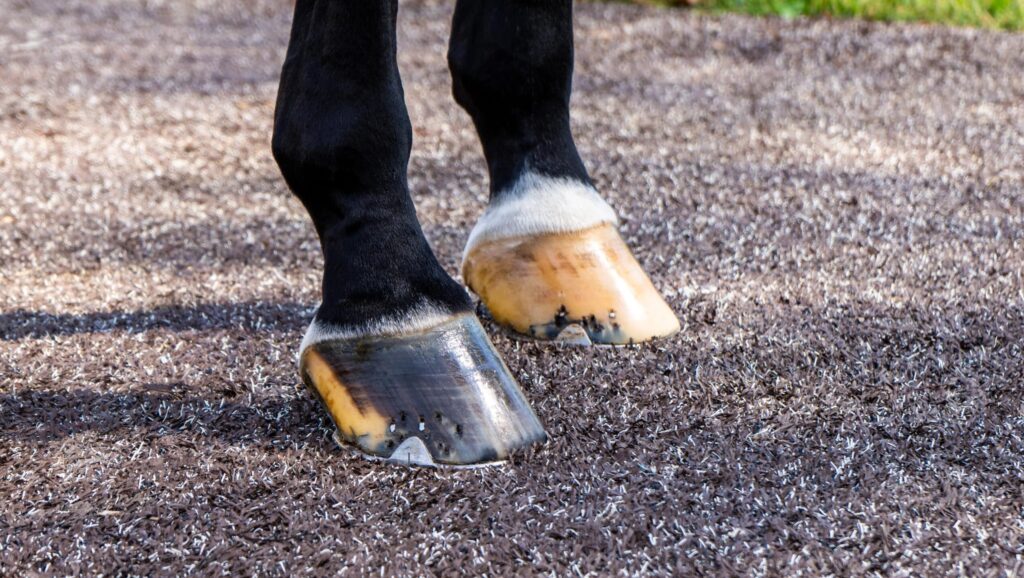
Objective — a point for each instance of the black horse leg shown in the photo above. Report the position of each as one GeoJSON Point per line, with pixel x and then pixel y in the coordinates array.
{"type": "Point", "coordinates": [545, 258]}
{"type": "Point", "coordinates": [342, 139]}
{"type": "Point", "coordinates": [511, 63]}
{"type": "Point", "coordinates": [394, 353]}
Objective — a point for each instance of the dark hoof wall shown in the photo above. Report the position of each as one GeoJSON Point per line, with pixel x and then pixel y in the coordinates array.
{"type": "Point", "coordinates": [441, 396]}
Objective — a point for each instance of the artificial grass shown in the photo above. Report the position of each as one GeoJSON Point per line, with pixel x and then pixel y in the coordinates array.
{"type": "Point", "coordinates": [836, 219]}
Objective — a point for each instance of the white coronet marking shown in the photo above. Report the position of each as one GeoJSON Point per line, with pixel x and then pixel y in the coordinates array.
{"type": "Point", "coordinates": [419, 318]}
{"type": "Point", "coordinates": [412, 452]}
{"type": "Point", "coordinates": [537, 204]}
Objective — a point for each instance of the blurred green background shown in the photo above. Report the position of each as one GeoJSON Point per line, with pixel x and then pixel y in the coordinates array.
{"type": "Point", "coordinates": [998, 14]}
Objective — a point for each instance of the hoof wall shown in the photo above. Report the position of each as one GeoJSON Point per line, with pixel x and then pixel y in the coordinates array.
{"type": "Point", "coordinates": [439, 397]}
{"type": "Point", "coordinates": [581, 288]}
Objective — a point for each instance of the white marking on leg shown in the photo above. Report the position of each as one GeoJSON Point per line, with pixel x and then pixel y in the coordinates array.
{"type": "Point", "coordinates": [419, 318]}
{"type": "Point", "coordinates": [537, 204]}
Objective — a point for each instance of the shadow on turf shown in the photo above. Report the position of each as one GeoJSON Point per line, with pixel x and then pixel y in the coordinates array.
{"type": "Point", "coordinates": [248, 315]}
{"type": "Point", "coordinates": [871, 386]}
{"type": "Point", "coordinates": [160, 410]}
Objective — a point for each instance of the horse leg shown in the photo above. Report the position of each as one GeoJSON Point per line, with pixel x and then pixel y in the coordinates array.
{"type": "Point", "coordinates": [545, 258]}
{"type": "Point", "coordinates": [394, 351]}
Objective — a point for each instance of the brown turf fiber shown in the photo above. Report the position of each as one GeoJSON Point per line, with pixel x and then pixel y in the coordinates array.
{"type": "Point", "coordinates": [835, 210]}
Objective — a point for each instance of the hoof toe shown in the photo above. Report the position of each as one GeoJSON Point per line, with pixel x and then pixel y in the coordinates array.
{"type": "Point", "coordinates": [581, 288]}
{"type": "Point", "coordinates": [441, 396]}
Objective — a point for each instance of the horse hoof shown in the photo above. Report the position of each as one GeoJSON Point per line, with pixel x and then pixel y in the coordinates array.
{"type": "Point", "coordinates": [581, 287]}
{"type": "Point", "coordinates": [436, 397]}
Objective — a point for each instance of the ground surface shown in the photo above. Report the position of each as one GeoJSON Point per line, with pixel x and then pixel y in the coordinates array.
{"type": "Point", "coordinates": [835, 211]}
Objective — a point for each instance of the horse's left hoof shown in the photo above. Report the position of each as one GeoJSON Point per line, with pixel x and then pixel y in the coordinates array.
{"type": "Point", "coordinates": [438, 396]}
{"type": "Point", "coordinates": [579, 287]}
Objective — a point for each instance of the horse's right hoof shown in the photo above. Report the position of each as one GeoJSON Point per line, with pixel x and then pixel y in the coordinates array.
{"type": "Point", "coordinates": [439, 396]}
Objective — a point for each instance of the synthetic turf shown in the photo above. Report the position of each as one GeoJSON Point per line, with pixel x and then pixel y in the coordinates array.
{"type": "Point", "coordinates": [834, 209]}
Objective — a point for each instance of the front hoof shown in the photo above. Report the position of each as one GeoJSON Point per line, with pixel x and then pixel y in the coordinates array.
{"type": "Point", "coordinates": [438, 396]}
{"type": "Point", "coordinates": [580, 287]}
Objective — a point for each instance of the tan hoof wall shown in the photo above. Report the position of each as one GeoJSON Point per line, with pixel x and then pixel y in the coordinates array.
{"type": "Point", "coordinates": [544, 285]}
{"type": "Point", "coordinates": [432, 398]}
